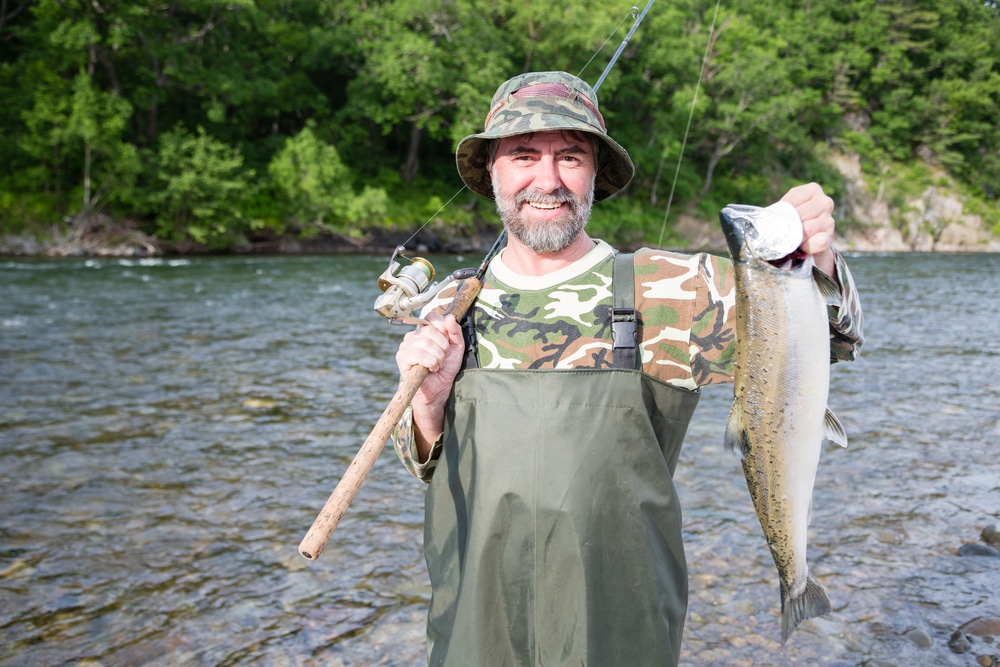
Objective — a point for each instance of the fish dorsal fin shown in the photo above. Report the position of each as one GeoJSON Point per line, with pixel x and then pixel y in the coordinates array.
{"type": "Point", "coordinates": [834, 429]}
{"type": "Point", "coordinates": [736, 432]}
{"type": "Point", "coordinates": [827, 287]}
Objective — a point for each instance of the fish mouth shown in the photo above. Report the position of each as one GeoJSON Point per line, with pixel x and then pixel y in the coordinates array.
{"type": "Point", "coordinates": [792, 260]}
{"type": "Point", "coordinates": [737, 225]}
{"type": "Point", "coordinates": [772, 234]}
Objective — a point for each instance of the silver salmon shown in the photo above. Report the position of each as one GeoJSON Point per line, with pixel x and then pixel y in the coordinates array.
{"type": "Point", "coordinates": [779, 417]}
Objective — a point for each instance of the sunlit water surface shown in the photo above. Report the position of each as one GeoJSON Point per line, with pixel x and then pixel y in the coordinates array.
{"type": "Point", "coordinates": [170, 428]}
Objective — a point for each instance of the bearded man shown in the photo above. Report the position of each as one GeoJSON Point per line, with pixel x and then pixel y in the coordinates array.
{"type": "Point", "coordinates": [551, 422]}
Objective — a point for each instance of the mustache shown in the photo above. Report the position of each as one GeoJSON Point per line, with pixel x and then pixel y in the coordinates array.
{"type": "Point", "coordinates": [559, 196]}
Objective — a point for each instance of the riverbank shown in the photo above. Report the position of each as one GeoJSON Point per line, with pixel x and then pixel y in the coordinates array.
{"type": "Point", "coordinates": [110, 239]}
{"type": "Point", "coordinates": [934, 219]}
{"type": "Point", "coordinates": [101, 236]}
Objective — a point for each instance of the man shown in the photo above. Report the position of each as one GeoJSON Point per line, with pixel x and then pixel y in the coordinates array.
{"type": "Point", "coordinates": [552, 532]}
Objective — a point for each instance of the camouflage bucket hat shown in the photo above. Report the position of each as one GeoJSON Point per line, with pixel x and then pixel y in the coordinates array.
{"type": "Point", "coordinates": [541, 101]}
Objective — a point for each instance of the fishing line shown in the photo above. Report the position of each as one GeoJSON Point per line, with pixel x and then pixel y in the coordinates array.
{"type": "Point", "coordinates": [428, 221]}
{"type": "Point", "coordinates": [633, 12]}
{"type": "Point", "coordinates": [687, 130]}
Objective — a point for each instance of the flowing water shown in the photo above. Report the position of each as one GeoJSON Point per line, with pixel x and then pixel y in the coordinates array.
{"type": "Point", "coordinates": [170, 428]}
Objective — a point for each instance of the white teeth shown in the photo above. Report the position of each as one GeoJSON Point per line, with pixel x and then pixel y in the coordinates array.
{"type": "Point", "coordinates": [547, 207]}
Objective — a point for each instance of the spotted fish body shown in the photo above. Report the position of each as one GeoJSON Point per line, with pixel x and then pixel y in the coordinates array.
{"type": "Point", "coordinates": [779, 417]}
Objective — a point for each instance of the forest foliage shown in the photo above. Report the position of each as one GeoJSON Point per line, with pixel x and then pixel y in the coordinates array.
{"type": "Point", "coordinates": [217, 122]}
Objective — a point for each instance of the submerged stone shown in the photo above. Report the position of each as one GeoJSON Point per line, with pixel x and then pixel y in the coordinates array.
{"type": "Point", "coordinates": [976, 549]}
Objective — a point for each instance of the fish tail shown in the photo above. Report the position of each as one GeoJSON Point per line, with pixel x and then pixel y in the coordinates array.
{"type": "Point", "coordinates": [812, 602]}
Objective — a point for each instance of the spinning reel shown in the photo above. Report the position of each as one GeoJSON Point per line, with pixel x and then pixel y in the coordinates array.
{"type": "Point", "coordinates": [409, 288]}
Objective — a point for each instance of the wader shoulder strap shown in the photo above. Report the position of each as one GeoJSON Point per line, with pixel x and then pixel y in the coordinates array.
{"type": "Point", "coordinates": [471, 358]}
{"type": "Point", "coordinates": [624, 319]}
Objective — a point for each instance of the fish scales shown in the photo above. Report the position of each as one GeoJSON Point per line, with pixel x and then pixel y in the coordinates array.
{"type": "Point", "coordinates": [779, 417]}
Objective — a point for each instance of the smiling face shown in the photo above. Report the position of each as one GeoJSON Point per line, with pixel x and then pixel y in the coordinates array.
{"type": "Point", "coordinates": [543, 184]}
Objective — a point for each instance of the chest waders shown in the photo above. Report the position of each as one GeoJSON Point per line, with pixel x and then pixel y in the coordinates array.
{"type": "Point", "coordinates": [553, 531]}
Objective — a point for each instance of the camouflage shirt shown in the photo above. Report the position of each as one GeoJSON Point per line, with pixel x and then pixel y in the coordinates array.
{"type": "Point", "coordinates": [685, 305]}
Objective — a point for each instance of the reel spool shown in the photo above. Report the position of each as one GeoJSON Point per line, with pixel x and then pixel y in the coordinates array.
{"type": "Point", "coordinates": [409, 288]}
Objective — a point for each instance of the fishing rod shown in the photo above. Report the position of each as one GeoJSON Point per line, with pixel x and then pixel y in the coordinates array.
{"type": "Point", "coordinates": [621, 47]}
{"type": "Point", "coordinates": [470, 281]}
{"type": "Point", "coordinates": [407, 284]}
{"type": "Point", "coordinates": [404, 290]}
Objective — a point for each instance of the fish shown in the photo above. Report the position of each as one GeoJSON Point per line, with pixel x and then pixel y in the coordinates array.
{"type": "Point", "coordinates": [779, 417]}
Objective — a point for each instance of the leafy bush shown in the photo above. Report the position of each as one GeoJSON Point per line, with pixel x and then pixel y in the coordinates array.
{"type": "Point", "coordinates": [318, 187]}
{"type": "Point", "coordinates": [203, 188]}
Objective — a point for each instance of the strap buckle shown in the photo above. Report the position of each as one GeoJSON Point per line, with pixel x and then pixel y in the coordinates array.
{"type": "Point", "coordinates": [623, 328]}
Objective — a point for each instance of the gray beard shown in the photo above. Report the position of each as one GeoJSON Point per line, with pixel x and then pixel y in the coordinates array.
{"type": "Point", "coordinates": [549, 236]}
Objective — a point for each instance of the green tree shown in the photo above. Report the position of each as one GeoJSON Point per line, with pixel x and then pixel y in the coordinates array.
{"type": "Point", "coordinates": [731, 79]}
{"type": "Point", "coordinates": [98, 120]}
{"type": "Point", "coordinates": [319, 189]}
{"type": "Point", "coordinates": [43, 136]}
{"type": "Point", "coordinates": [200, 189]}
{"type": "Point", "coordinates": [73, 123]}
{"type": "Point", "coordinates": [394, 84]}
{"type": "Point", "coordinates": [418, 64]}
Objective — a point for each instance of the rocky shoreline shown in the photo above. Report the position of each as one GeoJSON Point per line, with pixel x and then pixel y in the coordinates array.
{"type": "Point", "coordinates": [109, 240]}
{"type": "Point", "coordinates": [933, 221]}
{"type": "Point", "coordinates": [936, 220]}
{"type": "Point", "coordinates": [700, 236]}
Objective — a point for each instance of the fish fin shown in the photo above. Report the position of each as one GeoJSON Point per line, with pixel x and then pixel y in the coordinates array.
{"type": "Point", "coordinates": [736, 432]}
{"type": "Point", "coordinates": [828, 288]}
{"type": "Point", "coordinates": [812, 602]}
{"type": "Point", "coordinates": [834, 429]}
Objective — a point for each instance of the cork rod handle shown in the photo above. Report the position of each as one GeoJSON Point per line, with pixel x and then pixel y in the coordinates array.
{"type": "Point", "coordinates": [333, 511]}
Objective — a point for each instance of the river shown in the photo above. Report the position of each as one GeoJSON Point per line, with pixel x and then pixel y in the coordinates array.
{"type": "Point", "coordinates": [171, 427]}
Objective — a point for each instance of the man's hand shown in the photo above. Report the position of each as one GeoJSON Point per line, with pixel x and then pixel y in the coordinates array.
{"type": "Point", "coordinates": [816, 210]}
{"type": "Point", "coordinates": [438, 347]}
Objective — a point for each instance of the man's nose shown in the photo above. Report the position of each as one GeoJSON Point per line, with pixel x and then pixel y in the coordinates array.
{"type": "Point", "coordinates": [547, 177]}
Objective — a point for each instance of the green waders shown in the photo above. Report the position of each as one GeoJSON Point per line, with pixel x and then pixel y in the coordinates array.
{"type": "Point", "coordinates": [553, 531]}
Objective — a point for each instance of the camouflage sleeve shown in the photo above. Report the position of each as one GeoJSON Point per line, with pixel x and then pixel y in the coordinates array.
{"type": "Point", "coordinates": [846, 318]}
{"type": "Point", "coordinates": [405, 445]}
{"type": "Point", "coordinates": [402, 437]}
{"type": "Point", "coordinates": [713, 324]}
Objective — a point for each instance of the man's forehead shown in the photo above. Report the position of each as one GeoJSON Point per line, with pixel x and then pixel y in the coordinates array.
{"type": "Point", "coordinates": [559, 139]}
